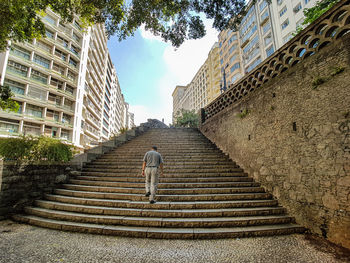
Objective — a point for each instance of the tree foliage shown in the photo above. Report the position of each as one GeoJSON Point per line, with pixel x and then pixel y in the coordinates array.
{"type": "Point", "coordinates": [186, 118]}
{"type": "Point", "coordinates": [6, 102]}
{"type": "Point", "coordinates": [173, 20]}
{"type": "Point", "coordinates": [311, 14]}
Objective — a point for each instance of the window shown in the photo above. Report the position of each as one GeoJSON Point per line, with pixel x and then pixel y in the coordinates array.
{"type": "Point", "coordinates": [60, 54]}
{"type": "Point", "coordinates": [306, 2]}
{"type": "Point", "coordinates": [69, 89]}
{"type": "Point", "coordinates": [105, 124]}
{"type": "Point", "coordinates": [287, 38]}
{"type": "Point", "coordinates": [75, 50]}
{"type": "Point", "coordinates": [233, 58]}
{"type": "Point", "coordinates": [31, 128]}
{"type": "Point", "coordinates": [270, 51]}
{"type": "Point", "coordinates": [66, 118]}
{"type": "Point", "coordinates": [283, 11]}
{"type": "Point", "coordinates": [73, 62]}
{"type": "Point", "coordinates": [56, 83]}
{"type": "Point", "coordinates": [266, 27]}
{"type": "Point", "coordinates": [41, 61]}
{"type": "Point", "coordinates": [54, 99]}
{"type": "Point", "coordinates": [20, 52]}
{"type": "Point", "coordinates": [235, 77]}
{"type": "Point", "coordinates": [49, 34]}
{"type": "Point", "coordinates": [221, 61]}
{"type": "Point", "coordinates": [68, 104]}
{"type": "Point", "coordinates": [58, 68]}
{"type": "Point", "coordinates": [38, 76]}
{"type": "Point", "coordinates": [232, 49]}
{"type": "Point", "coordinates": [268, 39]}
{"type": "Point", "coordinates": [9, 126]}
{"type": "Point", "coordinates": [65, 135]}
{"type": "Point", "coordinates": [76, 24]}
{"type": "Point", "coordinates": [52, 115]}
{"type": "Point", "coordinates": [233, 38]}
{"type": "Point", "coordinates": [106, 115]}
{"type": "Point", "coordinates": [44, 46]}
{"type": "Point", "coordinates": [279, 2]}
{"type": "Point", "coordinates": [62, 41]}
{"type": "Point", "coordinates": [71, 76]}
{"type": "Point", "coordinates": [297, 8]}
{"type": "Point", "coordinates": [16, 87]}
{"type": "Point", "coordinates": [265, 15]}
{"type": "Point", "coordinates": [235, 66]}
{"type": "Point", "coordinates": [17, 68]}
{"type": "Point", "coordinates": [34, 111]}
{"type": "Point", "coordinates": [50, 19]}
{"type": "Point", "coordinates": [250, 33]}
{"type": "Point", "coordinates": [262, 5]}
{"type": "Point", "coordinates": [285, 24]}
{"type": "Point", "coordinates": [76, 38]}
{"type": "Point", "coordinates": [253, 65]}
{"type": "Point", "coordinates": [37, 93]}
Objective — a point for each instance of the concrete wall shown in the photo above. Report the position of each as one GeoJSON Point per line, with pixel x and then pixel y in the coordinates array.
{"type": "Point", "coordinates": [295, 139]}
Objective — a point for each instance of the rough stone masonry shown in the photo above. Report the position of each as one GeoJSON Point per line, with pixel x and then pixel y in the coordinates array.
{"type": "Point", "coordinates": [293, 136]}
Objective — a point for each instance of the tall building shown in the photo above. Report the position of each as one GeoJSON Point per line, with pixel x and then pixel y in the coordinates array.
{"type": "Point", "coordinates": [65, 84]}
{"type": "Point", "coordinates": [204, 87]}
{"type": "Point", "coordinates": [263, 30]}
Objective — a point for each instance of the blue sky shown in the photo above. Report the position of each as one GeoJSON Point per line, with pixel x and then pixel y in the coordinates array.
{"type": "Point", "coordinates": [149, 69]}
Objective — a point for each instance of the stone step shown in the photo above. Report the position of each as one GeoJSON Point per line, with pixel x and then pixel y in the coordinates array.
{"type": "Point", "coordinates": [166, 175]}
{"type": "Point", "coordinates": [169, 163]}
{"type": "Point", "coordinates": [167, 170]}
{"type": "Point", "coordinates": [172, 158]}
{"type": "Point", "coordinates": [171, 213]}
{"type": "Point", "coordinates": [159, 222]}
{"type": "Point", "coordinates": [141, 179]}
{"type": "Point", "coordinates": [161, 205]}
{"type": "Point", "coordinates": [156, 232]}
{"type": "Point", "coordinates": [172, 191]}
{"type": "Point", "coordinates": [122, 165]}
{"type": "Point", "coordinates": [177, 198]}
{"type": "Point", "coordinates": [164, 185]}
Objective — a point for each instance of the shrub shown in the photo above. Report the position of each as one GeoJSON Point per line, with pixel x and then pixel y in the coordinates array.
{"type": "Point", "coordinates": [29, 149]}
{"type": "Point", "coordinates": [186, 118]}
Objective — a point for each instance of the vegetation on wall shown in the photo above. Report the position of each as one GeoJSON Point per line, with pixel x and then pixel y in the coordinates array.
{"type": "Point", "coordinates": [173, 21]}
{"type": "Point", "coordinates": [29, 149]}
{"type": "Point", "coordinates": [311, 14]}
{"type": "Point", "coordinates": [186, 118]}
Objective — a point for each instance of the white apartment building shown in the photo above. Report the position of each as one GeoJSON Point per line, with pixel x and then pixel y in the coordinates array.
{"type": "Point", "coordinates": [263, 30]}
{"type": "Point", "coordinates": [62, 85]}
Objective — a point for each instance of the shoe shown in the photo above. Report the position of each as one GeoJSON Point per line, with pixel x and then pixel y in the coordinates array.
{"type": "Point", "coordinates": [147, 194]}
{"type": "Point", "coordinates": [152, 202]}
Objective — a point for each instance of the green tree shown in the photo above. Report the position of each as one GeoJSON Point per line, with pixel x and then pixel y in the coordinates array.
{"type": "Point", "coordinates": [311, 14]}
{"type": "Point", "coordinates": [186, 118]}
{"type": "Point", "coordinates": [173, 20]}
{"type": "Point", "coordinates": [6, 102]}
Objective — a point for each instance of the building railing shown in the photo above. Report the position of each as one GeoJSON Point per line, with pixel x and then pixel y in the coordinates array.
{"type": "Point", "coordinates": [331, 26]}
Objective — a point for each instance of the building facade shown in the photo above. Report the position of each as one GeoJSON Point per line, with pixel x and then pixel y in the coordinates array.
{"type": "Point", "coordinates": [204, 87]}
{"type": "Point", "coordinates": [263, 30]}
{"type": "Point", "coordinates": [63, 85]}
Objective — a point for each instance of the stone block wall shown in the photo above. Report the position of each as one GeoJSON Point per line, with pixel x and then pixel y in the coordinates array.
{"type": "Point", "coordinates": [20, 187]}
{"type": "Point", "coordinates": [293, 136]}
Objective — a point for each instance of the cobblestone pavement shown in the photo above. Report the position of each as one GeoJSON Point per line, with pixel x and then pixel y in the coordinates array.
{"type": "Point", "coordinates": [24, 243]}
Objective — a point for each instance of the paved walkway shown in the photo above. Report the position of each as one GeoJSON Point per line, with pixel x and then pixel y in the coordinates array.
{"type": "Point", "coordinates": [24, 243]}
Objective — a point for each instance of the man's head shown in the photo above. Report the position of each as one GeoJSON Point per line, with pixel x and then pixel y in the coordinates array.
{"type": "Point", "coordinates": [154, 148]}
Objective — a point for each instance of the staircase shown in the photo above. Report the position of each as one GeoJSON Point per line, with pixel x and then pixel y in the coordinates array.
{"type": "Point", "coordinates": [203, 194]}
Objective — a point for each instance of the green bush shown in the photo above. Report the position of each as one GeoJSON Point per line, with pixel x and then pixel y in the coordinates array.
{"type": "Point", "coordinates": [186, 118]}
{"type": "Point", "coordinates": [29, 149]}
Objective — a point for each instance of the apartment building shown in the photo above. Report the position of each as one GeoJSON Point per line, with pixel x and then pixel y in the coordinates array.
{"type": "Point", "coordinates": [204, 87]}
{"type": "Point", "coordinates": [61, 83]}
{"type": "Point", "coordinates": [263, 30]}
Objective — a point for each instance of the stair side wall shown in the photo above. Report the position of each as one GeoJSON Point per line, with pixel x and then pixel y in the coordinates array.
{"type": "Point", "coordinates": [293, 137]}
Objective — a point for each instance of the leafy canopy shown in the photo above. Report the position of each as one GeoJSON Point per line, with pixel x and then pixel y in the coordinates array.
{"type": "Point", "coordinates": [186, 118]}
{"type": "Point", "coordinates": [173, 20]}
{"type": "Point", "coordinates": [6, 102]}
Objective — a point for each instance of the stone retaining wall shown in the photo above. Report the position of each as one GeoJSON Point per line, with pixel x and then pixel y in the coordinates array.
{"type": "Point", "coordinates": [293, 136]}
{"type": "Point", "coordinates": [20, 187]}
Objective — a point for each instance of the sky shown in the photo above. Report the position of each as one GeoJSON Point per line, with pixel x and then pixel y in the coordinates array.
{"type": "Point", "coordinates": [149, 70]}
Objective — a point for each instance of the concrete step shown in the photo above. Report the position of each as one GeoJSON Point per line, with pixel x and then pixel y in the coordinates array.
{"type": "Point", "coordinates": [182, 213]}
{"type": "Point", "coordinates": [121, 165]}
{"type": "Point", "coordinates": [168, 163]}
{"type": "Point", "coordinates": [167, 170]}
{"type": "Point", "coordinates": [173, 198]}
{"type": "Point", "coordinates": [161, 205]}
{"type": "Point", "coordinates": [157, 232]}
{"type": "Point", "coordinates": [141, 179]}
{"type": "Point", "coordinates": [159, 222]}
{"type": "Point", "coordinates": [164, 185]}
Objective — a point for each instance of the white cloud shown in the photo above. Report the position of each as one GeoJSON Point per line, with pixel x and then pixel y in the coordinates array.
{"type": "Point", "coordinates": [181, 66]}
{"type": "Point", "coordinates": [149, 35]}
